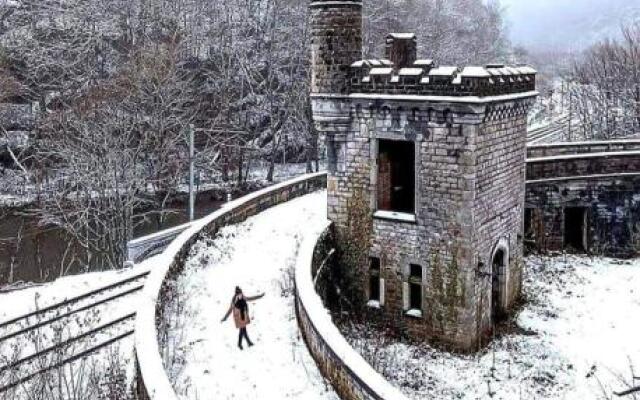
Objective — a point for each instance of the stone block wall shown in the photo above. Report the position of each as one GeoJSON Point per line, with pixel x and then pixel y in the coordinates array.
{"type": "Point", "coordinates": [463, 158]}
{"type": "Point", "coordinates": [568, 148]}
{"type": "Point", "coordinates": [336, 28]}
{"type": "Point", "coordinates": [499, 203]}
{"type": "Point", "coordinates": [612, 205]}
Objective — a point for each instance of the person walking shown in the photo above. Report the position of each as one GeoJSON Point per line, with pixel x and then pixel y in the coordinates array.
{"type": "Point", "coordinates": [240, 309]}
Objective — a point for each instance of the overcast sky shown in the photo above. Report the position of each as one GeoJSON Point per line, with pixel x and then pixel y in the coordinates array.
{"type": "Point", "coordinates": [562, 23]}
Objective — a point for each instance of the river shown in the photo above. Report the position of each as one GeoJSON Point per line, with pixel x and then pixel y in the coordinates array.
{"type": "Point", "coordinates": [45, 253]}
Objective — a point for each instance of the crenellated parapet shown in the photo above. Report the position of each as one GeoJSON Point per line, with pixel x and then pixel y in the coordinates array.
{"type": "Point", "coordinates": [403, 73]}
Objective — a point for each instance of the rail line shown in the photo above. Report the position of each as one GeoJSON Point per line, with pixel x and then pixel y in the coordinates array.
{"type": "Point", "coordinates": [111, 331]}
{"type": "Point", "coordinates": [74, 300]}
{"type": "Point", "coordinates": [547, 132]}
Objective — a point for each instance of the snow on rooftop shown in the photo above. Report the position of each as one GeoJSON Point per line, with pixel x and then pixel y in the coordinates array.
{"type": "Point", "coordinates": [443, 71]}
{"type": "Point", "coordinates": [513, 70]}
{"type": "Point", "coordinates": [381, 71]}
{"type": "Point", "coordinates": [423, 62]}
{"type": "Point", "coordinates": [475, 72]}
{"type": "Point", "coordinates": [410, 71]}
{"type": "Point", "coordinates": [505, 71]}
{"type": "Point", "coordinates": [526, 70]}
{"type": "Point", "coordinates": [358, 64]}
{"type": "Point", "coordinates": [402, 35]}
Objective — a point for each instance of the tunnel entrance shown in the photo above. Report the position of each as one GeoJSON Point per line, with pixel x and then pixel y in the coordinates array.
{"type": "Point", "coordinates": [575, 229]}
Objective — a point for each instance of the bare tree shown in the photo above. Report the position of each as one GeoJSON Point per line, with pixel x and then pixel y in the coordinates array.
{"type": "Point", "coordinates": [605, 87]}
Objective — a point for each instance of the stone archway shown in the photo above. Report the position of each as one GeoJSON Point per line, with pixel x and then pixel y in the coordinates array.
{"type": "Point", "coordinates": [499, 278]}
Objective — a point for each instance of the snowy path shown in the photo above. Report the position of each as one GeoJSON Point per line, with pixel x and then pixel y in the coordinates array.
{"type": "Point", "coordinates": [257, 256]}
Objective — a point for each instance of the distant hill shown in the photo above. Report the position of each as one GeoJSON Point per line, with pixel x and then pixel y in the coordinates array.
{"type": "Point", "coordinates": [568, 24]}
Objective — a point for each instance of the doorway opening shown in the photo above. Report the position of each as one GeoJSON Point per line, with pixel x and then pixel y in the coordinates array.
{"type": "Point", "coordinates": [498, 285]}
{"type": "Point", "coordinates": [575, 229]}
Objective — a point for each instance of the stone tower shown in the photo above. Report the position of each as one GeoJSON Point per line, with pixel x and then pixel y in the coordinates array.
{"type": "Point", "coordinates": [337, 41]}
{"type": "Point", "coordinates": [437, 154]}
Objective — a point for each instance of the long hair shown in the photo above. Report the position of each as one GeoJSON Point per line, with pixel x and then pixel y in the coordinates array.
{"type": "Point", "coordinates": [241, 304]}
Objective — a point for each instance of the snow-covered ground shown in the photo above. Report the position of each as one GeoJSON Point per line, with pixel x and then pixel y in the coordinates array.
{"type": "Point", "coordinates": [257, 255]}
{"type": "Point", "coordinates": [19, 302]}
{"type": "Point", "coordinates": [576, 338]}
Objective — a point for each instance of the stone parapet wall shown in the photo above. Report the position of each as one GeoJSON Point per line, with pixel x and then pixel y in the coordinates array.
{"type": "Point", "coordinates": [148, 246]}
{"type": "Point", "coordinates": [152, 382]}
{"type": "Point", "coordinates": [568, 148]}
{"type": "Point", "coordinates": [350, 375]}
{"type": "Point", "coordinates": [582, 165]}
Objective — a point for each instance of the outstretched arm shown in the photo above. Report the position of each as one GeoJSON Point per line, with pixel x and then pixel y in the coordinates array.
{"type": "Point", "coordinates": [228, 312]}
{"type": "Point", "coordinates": [258, 297]}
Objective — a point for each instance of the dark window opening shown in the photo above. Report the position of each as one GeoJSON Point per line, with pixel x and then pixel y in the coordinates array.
{"type": "Point", "coordinates": [415, 287]}
{"type": "Point", "coordinates": [415, 296]}
{"type": "Point", "coordinates": [396, 176]}
{"type": "Point", "coordinates": [374, 279]}
{"type": "Point", "coordinates": [575, 229]}
{"type": "Point", "coordinates": [416, 272]}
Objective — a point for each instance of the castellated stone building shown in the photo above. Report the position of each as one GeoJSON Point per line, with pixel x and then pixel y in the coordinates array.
{"type": "Point", "coordinates": [438, 155]}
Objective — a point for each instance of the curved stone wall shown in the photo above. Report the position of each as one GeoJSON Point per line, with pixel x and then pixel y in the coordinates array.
{"type": "Point", "coordinates": [152, 381]}
{"type": "Point", "coordinates": [351, 376]}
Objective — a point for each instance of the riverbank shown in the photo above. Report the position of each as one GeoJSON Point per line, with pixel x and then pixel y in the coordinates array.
{"type": "Point", "coordinates": [33, 252]}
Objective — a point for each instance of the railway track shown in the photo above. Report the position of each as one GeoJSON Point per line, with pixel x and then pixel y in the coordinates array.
{"type": "Point", "coordinates": [547, 133]}
{"type": "Point", "coordinates": [50, 337]}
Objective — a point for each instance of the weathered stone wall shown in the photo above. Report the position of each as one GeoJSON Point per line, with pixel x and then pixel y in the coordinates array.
{"type": "Point", "coordinates": [553, 167]}
{"type": "Point", "coordinates": [469, 183]}
{"type": "Point", "coordinates": [499, 203]}
{"type": "Point", "coordinates": [613, 213]}
{"type": "Point", "coordinates": [461, 162]}
{"type": "Point", "coordinates": [336, 29]}
{"type": "Point", "coordinates": [558, 149]}
{"type": "Point", "coordinates": [351, 376]}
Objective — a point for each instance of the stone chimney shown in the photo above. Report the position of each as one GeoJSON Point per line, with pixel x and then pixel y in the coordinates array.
{"type": "Point", "coordinates": [401, 49]}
